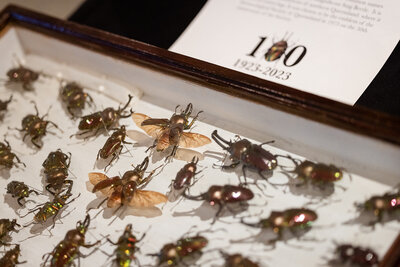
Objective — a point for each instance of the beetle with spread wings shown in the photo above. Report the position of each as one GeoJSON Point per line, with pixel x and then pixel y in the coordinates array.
{"type": "Point", "coordinates": [126, 190]}
{"type": "Point", "coordinates": [170, 132]}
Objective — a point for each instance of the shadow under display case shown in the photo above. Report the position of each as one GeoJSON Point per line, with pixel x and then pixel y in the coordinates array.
{"type": "Point", "coordinates": [364, 144]}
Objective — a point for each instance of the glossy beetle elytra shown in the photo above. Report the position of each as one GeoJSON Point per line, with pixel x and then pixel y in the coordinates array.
{"type": "Point", "coordinates": [35, 126]}
{"type": "Point", "coordinates": [56, 171]}
{"type": "Point", "coordinates": [223, 195]}
{"type": "Point", "coordinates": [68, 249]}
{"type": "Point", "coordinates": [173, 254]}
{"type": "Point", "coordinates": [113, 145]}
{"type": "Point", "coordinates": [7, 157]}
{"type": "Point", "coordinates": [104, 119]}
{"type": "Point", "coordinates": [251, 156]}
{"type": "Point", "coordinates": [185, 175]}
{"type": "Point", "coordinates": [19, 190]}
{"type": "Point", "coordinates": [74, 97]}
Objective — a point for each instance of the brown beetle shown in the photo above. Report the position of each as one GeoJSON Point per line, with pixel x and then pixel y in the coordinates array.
{"type": "Point", "coordinates": [126, 190]}
{"type": "Point", "coordinates": [223, 195]}
{"type": "Point", "coordinates": [7, 157]}
{"type": "Point", "coordinates": [113, 145]}
{"type": "Point", "coordinates": [56, 171]}
{"type": "Point", "coordinates": [68, 249]}
{"type": "Point", "coordinates": [6, 226]}
{"type": "Point", "coordinates": [19, 190]}
{"type": "Point", "coordinates": [185, 175]}
{"type": "Point", "coordinates": [74, 97]}
{"type": "Point", "coordinates": [35, 126]}
{"type": "Point", "coordinates": [102, 120]}
{"type": "Point", "coordinates": [24, 76]}
{"type": "Point", "coordinates": [356, 256]}
{"type": "Point", "coordinates": [251, 156]}
{"type": "Point", "coordinates": [237, 260]}
{"type": "Point", "coordinates": [290, 219]}
{"type": "Point", "coordinates": [10, 258]}
{"type": "Point", "coordinates": [170, 132]}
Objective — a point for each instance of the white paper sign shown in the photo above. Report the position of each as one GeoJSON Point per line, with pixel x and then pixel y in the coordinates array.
{"type": "Point", "coordinates": [332, 48]}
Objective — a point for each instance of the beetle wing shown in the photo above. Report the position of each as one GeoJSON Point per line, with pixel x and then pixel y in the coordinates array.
{"type": "Point", "coordinates": [193, 140]}
{"type": "Point", "coordinates": [152, 130]}
{"type": "Point", "coordinates": [114, 199]}
{"type": "Point", "coordinates": [146, 199]}
{"type": "Point", "coordinates": [102, 183]}
{"type": "Point", "coordinates": [163, 141]}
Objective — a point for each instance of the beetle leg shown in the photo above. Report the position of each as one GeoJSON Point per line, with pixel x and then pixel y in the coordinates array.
{"type": "Point", "coordinates": [19, 201]}
{"type": "Point", "coordinates": [55, 125]}
{"type": "Point", "coordinates": [231, 166]}
{"type": "Point", "coordinates": [268, 142]}
{"type": "Point", "coordinates": [33, 140]}
{"type": "Point", "coordinates": [244, 175]}
{"type": "Point", "coordinates": [19, 161]}
{"type": "Point", "coordinates": [48, 189]}
{"type": "Point", "coordinates": [25, 135]}
{"type": "Point", "coordinates": [217, 214]}
{"type": "Point", "coordinates": [193, 120]}
{"type": "Point", "coordinates": [69, 108]}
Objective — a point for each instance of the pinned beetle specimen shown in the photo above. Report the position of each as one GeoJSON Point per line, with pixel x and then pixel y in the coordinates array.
{"type": "Point", "coordinates": [23, 76]}
{"type": "Point", "coordinates": [173, 254]}
{"type": "Point", "coordinates": [6, 226]}
{"type": "Point", "coordinates": [126, 247]}
{"type": "Point", "coordinates": [388, 203]}
{"type": "Point", "coordinates": [290, 219]}
{"type": "Point", "coordinates": [113, 145]}
{"type": "Point", "coordinates": [74, 97]}
{"type": "Point", "coordinates": [185, 175]}
{"type": "Point", "coordinates": [251, 156]}
{"type": "Point", "coordinates": [356, 256]}
{"type": "Point", "coordinates": [7, 157]}
{"type": "Point", "coordinates": [223, 195]}
{"type": "Point", "coordinates": [56, 170]}
{"type": "Point", "coordinates": [35, 127]}
{"type": "Point", "coordinates": [170, 132]}
{"type": "Point", "coordinates": [102, 119]}
{"type": "Point", "coordinates": [68, 249]}
{"type": "Point", "coordinates": [318, 174]}
{"type": "Point", "coordinates": [237, 260]}
{"type": "Point", "coordinates": [51, 209]}
{"type": "Point", "coordinates": [19, 190]}
{"type": "Point", "coordinates": [127, 190]}
{"type": "Point", "coordinates": [10, 258]}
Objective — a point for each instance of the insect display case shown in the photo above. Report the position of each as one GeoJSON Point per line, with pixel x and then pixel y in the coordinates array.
{"type": "Point", "coordinates": [361, 145]}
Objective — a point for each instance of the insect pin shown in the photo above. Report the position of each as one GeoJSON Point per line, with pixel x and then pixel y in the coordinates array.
{"type": "Point", "coordinates": [388, 203]}
{"type": "Point", "coordinates": [51, 209]}
{"type": "Point", "coordinates": [113, 145]}
{"type": "Point", "coordinates": [10, 258]}
{"type": "Point", "coordinates": [102, 120]}
{"type": "Point", "coordinates": [68, 249]}
{"type": "Point", "coordinates": [171, 132]}
{"type": "Point", "coordinates": [4, 104]}
{"type": "Point", "coordinates": [6, 226]}
{"type": "Point", "coordinates": [35, 126]}
{"type": "Point", "coordinates": [56, 171]}
{"type": "Point", "coordinates": [173, 254]}
{"type": "Point", "coordinates": [7, 156]}
{"type": "Point", "coordinates": [126, 190]}
{"type": "Point", "coordinates": [293, 220]}
{"type": "Point", "coordinates": [356, 256]}
{"type": "Point", "coordinates": [74, 97]}
{"type": "Point", "coordinates": [222, 196]}
{"type": "Point", "coordinates": [19, 190]}
{"type": "Point", "coordinates": [126, 247]}
{"type": "Point", "coordinates": [251, 156]}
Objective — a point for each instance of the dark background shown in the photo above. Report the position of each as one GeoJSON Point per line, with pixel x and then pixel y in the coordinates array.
{"type": "Point", "coordinates": [161, 22]}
